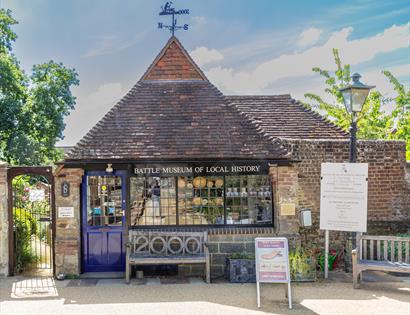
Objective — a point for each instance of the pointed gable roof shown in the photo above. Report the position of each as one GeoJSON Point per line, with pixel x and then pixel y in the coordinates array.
{"type": "Point", "coordinates": [175, 113]}
{"type": "Point", "coordinates": [173, 63]}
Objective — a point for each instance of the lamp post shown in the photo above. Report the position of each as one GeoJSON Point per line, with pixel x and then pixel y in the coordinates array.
{"type": "Point", "coordinates": [354, 97]}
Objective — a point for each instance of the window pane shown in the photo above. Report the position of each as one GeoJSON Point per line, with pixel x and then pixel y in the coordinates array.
{"type": "Point", "coordinates": [200, 200]}
{"type": "Point", "coordinates": [248, 199]}
{"type": "Point", "coordinates": [104, 200]}
{"type": "Point", "coordinates": [153, 201]}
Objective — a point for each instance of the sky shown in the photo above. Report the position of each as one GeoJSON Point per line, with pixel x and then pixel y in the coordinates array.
{"type": "Point", "coordinates": [244, 47]}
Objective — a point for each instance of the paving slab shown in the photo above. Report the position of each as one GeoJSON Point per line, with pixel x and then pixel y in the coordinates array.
{"type": "Point", "coordinates": [111, 282]}
{"type": "Point", "coordinates": [173, 280]}
{"type": "Point", "coordinates": [82, 283]}
{"type": "Point", "coordinates": [153, 281]}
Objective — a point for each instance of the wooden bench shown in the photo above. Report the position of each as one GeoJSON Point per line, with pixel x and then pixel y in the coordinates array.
{"type": "Point", "coordinates": [381, 253]}
{"type": "Point", "coordinates": [145, 247]}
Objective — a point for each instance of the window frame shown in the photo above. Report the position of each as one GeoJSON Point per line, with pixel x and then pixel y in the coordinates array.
{"type": "Point", "coordinates": [223, 225]}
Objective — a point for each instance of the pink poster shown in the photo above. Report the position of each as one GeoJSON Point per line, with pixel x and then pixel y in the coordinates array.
{"type": "Point", "coordinates": [272, 263]}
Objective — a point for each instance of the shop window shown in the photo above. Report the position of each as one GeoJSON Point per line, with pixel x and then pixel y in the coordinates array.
{"type": "Point", "coordinates": [104, 201]}
{"type": "Point", "coordinates": [153, 201]}
{"type": "Point", "coordinates": [248, 199]}
{"type": "Point", "coordinates": [201, 200]}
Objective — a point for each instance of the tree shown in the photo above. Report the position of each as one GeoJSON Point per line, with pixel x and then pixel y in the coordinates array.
{"type": "Point", "coordinates": [373, 121]}
{"type": "Point", "coordinates": [32, 108]}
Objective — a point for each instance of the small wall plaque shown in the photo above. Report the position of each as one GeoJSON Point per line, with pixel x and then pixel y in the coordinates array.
{"type": "Point", "coordinates": [66, 212]}
{"type": "Point", "coordinates": [65, 189]}
{"type": "Point", "coordinates": [287, 209]}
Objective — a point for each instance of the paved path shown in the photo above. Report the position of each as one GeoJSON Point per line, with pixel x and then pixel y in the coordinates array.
{"type": "Point", "coordinates": [88, 296]}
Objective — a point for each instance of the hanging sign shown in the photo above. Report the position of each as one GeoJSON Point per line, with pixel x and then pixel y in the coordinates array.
{"type": "Point", "coordinates": [36, 195]}
{"type": "Point", "coordinates": [272, 263]}
{"type": "Point", "coordinates": [343, 197]}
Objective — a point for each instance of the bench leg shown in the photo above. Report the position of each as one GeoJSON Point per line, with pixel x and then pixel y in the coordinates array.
{"type": "Point", "coordinates": [356, 280]}
{"type": "Point", "coordinates": [356, 271]}
{"type": "Point", "coordinates": [127, 272]}
{"type": "Point", "coordinates": [208, 271]}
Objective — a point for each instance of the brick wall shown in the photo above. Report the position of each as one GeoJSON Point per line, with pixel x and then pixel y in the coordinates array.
{"type": "Point", "coordinates": [68, 230]}
{"type": "Point", "coordinates": [388, 202]}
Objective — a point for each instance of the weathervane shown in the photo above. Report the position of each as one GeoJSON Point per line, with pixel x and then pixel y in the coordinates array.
{"type": "Point", "coordinates": [168, 10]}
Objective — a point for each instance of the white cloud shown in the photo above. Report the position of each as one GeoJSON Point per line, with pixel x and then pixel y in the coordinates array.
{"type": "Point", "coordinates": [198, 22]}
{"type": "Point", "coordinates": [294, 65]}
{"type": "Point", "coordinates": [90, 109]}
{"type": "Point", "coordinates": [112, 43]}
{"type": "Point", "coordinates": [202, 55]}
{"type": "Point", "coordinates": [309, 37]}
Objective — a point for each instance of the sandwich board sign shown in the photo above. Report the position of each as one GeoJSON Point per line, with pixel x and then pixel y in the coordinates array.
{"type": "Point", "coordinates": [343, 197]}
{"type": "Point", "coordinates": [272, 263]}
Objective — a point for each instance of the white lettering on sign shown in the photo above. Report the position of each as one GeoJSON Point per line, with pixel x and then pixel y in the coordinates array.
{"type": "Point", "coordinates": [66, 212]}
{"type": "Point", "coordinates": [197, 169]}
{"type": "Point", "coordinates": [343, 197]}
{"type": "Point", "coordinates": [36, 195]}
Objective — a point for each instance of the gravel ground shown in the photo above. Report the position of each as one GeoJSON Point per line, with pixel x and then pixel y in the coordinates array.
{"type": "Point", "coordinates": [45, 296]}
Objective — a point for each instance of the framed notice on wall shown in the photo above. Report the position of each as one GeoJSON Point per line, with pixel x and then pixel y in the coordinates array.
{"type": "Point", "coordinates": [343, 197]}
{"type": "Point", "coordinates": [272, 263]}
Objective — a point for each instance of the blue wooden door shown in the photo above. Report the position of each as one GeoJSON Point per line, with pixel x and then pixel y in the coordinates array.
{"type": "Point", "coordinates": [103, 221]}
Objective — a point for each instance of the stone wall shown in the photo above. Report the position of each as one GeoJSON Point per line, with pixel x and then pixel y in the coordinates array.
{"type": "Point", "coordinates": [68, 230]}
{"type": "Point", "coordinates": [4, 223]}
{"type": "Point", "coordinates": [388, 202]}
{"type": "Point", "coordinates": [223, 243]}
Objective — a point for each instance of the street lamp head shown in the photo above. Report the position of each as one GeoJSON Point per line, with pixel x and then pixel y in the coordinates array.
{"type": "Point", "coordinates": [355, 94]}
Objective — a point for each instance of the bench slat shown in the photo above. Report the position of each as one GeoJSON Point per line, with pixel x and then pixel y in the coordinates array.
{"type": "Point", "coordinates": [392, 251]}
{"type": "Point", "coordinates": [385, 244]}
{"type": "Point", "coordinates": [378, 249]}
{"type": "Point", "coordinates": [407, 260]}
{"type": "Point", "coordinates": [371, 249]}
{"type": "Point", "coordinates": [399, 253]}
{"type": "Point", "coordinates": [364, 249]}
{"type": "Point", "coordinates": [385, 238]}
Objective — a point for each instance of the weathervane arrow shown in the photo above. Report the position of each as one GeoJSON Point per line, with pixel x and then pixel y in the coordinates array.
{"type": "Point", "coordinates": [167, 9]}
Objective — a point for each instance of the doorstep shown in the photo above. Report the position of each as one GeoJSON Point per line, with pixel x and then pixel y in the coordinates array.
{"type": "Point", "coordinates": [103, 275]}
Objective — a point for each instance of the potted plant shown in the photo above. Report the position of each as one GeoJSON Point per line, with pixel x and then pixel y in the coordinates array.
{"type": "Point", "coordinates": [302, 265]}
{"type": "Point", "coordinates": [240, 268]}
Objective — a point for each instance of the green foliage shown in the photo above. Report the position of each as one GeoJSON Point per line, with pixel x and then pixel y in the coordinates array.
{"type": "Point", "coordinates": [32, 108]}
{"type": "Point", "coordinates": [373, 121]}
{"type": "Point", "coordinates": [302, 266]}
{"type": "Point", "coordinates": [25, 226]}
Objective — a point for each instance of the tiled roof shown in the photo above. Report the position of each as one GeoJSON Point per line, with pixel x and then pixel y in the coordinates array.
{"type": "Point", "coordinates": [175, 120]}
{"type": "Point", "coordinates": [173, 63]}
{"type": "Point", "coordinates": [175, 113]}
{"type": "Point", "coordinates": [282, 117]}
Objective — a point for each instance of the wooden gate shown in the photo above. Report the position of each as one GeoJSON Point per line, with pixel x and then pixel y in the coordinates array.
{"type": "Point", "coordinates": [31, 220]}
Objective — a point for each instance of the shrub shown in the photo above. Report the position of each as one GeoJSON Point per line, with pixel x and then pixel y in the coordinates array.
{"type": "Point", "coordinates": [24, 227]}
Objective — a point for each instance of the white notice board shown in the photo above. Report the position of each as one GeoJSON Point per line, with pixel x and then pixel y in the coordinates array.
{"type": "Point", "coordinates": [66, 212]}
{"type": "Point", "coordinates": [272, 263]}
{"type": "Point", "coordinates": [343, 197]}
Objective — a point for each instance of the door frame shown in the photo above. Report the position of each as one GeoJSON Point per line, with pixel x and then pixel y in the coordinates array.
{"type": "Point", "coordinates": [84, 196]}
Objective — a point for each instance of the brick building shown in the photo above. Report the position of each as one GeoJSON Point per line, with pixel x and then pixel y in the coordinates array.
{"type": "Point", "coordinates": [175, 153]}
